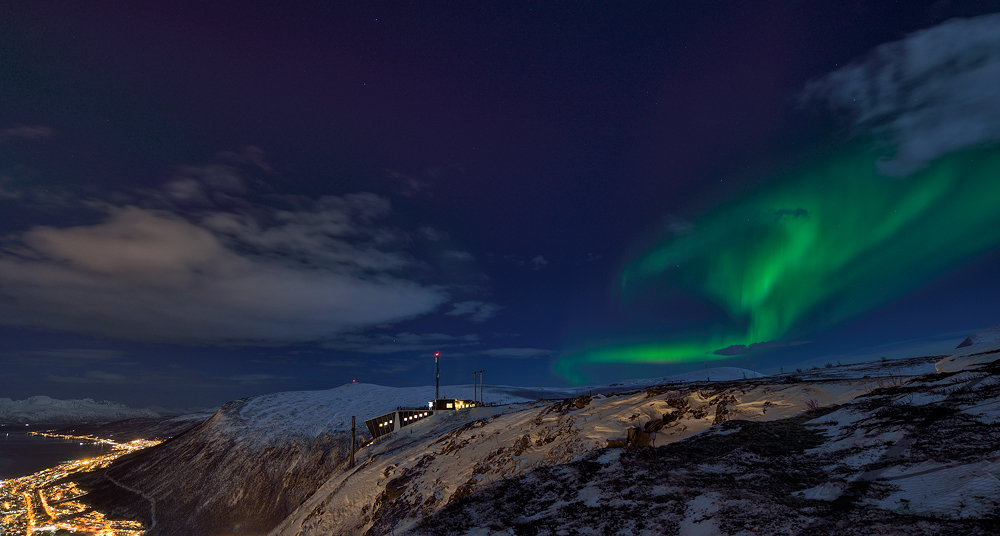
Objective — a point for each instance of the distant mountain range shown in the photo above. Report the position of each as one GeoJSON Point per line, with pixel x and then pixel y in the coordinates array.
{"type": "Point", "coordinates": [46, 410]}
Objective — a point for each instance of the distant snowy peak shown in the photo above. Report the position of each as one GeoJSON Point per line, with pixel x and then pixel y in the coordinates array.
{"type": "Point", "coordinates": [47, 410]}
{"type": "Point", "coordinates": [980, 337]}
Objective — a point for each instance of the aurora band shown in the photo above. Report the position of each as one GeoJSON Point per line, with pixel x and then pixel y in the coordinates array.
{"type": "Point", "coordinates": [824, 243]}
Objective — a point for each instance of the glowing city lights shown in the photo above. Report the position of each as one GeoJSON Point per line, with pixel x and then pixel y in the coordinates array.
{"type": "Point", "coordinates": [36, 503]}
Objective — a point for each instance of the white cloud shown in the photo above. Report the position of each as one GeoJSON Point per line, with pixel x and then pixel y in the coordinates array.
{"type": "Point", "coordinates": [151, 275]}
{"type": "Point", "coordinates": [26, 132]}
{"type": "Point", "coordinates": [478, 311]}
{"type": "Point", "coordinates": [431, 234]}
{"type": "Point", "coordinates": [456, 255]}
{"type": "Point", "coordinates": [7, 191]}
{"type": "Point", "coordinates": [539, 262]}
{"type": "Point", "coordinates": [400, 342]}
{"type": "Point", "coordinates": [517, 353]}
{"type": "Point", "coordinates": [347, 363]}
{"type": "Point", "coordinates": [929, 94]}
{"type": "Point", "coordinates": [257, 379]}
{"type": "Point", "coordinates": [338, 231]}
{"type": "Point", "coordinates": [68, 356]}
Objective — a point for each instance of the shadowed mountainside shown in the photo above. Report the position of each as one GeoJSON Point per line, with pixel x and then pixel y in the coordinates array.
{"type": "Point", "coordinates": [213, 481]}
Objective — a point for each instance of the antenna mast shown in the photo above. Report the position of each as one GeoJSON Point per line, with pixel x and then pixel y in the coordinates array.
{"type": "Point", "coordinates": [437, 377]}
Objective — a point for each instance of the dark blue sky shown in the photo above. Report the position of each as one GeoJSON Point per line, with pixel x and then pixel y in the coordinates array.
{"type": "Point", "coordinates": [204, 202]}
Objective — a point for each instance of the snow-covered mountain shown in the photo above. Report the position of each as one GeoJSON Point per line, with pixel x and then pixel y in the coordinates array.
{"type": "Point", "coordinates": [916, 456]}
{"type": "Point", "coordinates": [255, 460]}
{"type": "Point", "coordinates": [45, 410]}
{"type": "Point", "coordinates": [981, 337]}
{"type": "Point", "coordinates": [295, 441]}
{"type": "Point", "coordinates": [847, 448]}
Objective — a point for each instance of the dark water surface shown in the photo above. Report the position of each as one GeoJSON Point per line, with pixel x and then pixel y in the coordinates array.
{"type": "Point", "coordinates": [22, 454]}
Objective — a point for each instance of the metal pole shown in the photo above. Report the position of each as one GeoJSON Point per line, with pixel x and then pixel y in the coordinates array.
{"type": "Point", "coordinates": [480, 373]}
{"type": "Point", "coordinates": [352, 441]}
{"type": "Point", "coordinates": [437, 378]}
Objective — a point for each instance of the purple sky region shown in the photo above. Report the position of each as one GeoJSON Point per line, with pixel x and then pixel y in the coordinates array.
{"type": "Point", "coordinates": [201, 202]}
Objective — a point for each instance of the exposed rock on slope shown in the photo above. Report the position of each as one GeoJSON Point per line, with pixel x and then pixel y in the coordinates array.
{"type": "Point", "coordinates": [438, 461]}
{"type": "Point", "coordinates": [275, 463]}
{"type": "Point", "coordinates": [922, 457]}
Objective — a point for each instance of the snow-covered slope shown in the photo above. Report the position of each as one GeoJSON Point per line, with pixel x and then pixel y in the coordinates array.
{"type": "Point", "coordinates": [921, 457]}
{"type": "Point", "coordinates": [253, 462]}
{"type": "Point", "coordinates": [276, 463]}
{"type": "Point", "coordinates": [268, 419]}
{"type": "Point", "coordinates": [309, 414]}
{"type": "Point", "coordinates": [980, 337]}
{"type": "Point", "coordinates": [434, 462]}
{"type": "Point", "coordinates": [45, 410]}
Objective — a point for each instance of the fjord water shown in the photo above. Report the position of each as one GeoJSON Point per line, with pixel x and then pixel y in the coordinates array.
{"type": "Point", "coordinates": [22, 454]}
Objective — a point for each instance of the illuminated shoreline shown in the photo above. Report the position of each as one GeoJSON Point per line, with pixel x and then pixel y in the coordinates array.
{"type": "Point", "coordinates": [33, 503]}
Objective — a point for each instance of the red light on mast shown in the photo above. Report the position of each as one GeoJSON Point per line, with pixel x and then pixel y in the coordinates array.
{"type": "Point", "coordinates": [436, 354]}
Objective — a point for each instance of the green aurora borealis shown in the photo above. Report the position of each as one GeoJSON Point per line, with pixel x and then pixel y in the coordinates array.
{"type": "Point", "coordinates": [815, 247]}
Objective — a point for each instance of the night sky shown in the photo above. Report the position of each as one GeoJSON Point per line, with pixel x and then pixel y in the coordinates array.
{"type": "Point", "coordinates": [205, 202]}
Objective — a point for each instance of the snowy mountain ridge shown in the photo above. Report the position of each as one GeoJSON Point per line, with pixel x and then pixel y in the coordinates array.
{"type": "Point", "coordinates": [750, 454]}
{"type": "Point", "coordinates": [310, 414]}
{"type": "Point", "coordinates": [861, 453]}
{"type": "Point", "coordinates": [295, 441]}
{"type": "Point", "coordinates": [47, 410]}
{"type": "Point", "coordinates": [297, 444]}
{"type": "Point", "coordinates": [981, 337]}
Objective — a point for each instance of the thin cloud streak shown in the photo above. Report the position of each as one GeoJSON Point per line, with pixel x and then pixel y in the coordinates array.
{"type": "Point", "coordinates": [90, 377]}
{"type": "Point", "coordinates": [477, 311]}
{"type": "Point", "coordinates": [26, 132]}
{"type": "Point", "coordinates": [517, 353]}
{"type": "Point", "coordinates": [400, 342]}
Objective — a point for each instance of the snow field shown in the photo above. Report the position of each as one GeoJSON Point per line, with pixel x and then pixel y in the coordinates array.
{"type": "Point", "coordinates": [431, 462]}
